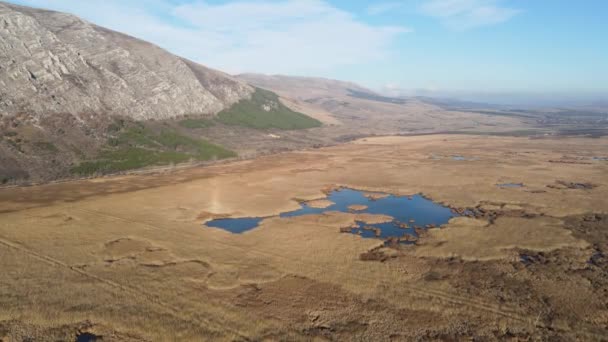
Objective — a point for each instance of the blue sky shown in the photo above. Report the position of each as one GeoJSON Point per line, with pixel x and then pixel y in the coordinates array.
{"type": "Point", "coordinates": [543, 48]}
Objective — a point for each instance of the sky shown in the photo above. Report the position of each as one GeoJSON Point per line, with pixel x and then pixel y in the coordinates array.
{"type": "Point", "coordinates": [472, 49]}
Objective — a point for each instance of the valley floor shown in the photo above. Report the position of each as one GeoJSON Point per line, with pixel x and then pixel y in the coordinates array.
{"type": "Point", "coordinates": [128, 258]}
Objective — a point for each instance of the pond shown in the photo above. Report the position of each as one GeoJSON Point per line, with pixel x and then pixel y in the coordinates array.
{"type": "Point", "coordinates": [236, 225]}
{"type": "Point", "coordinates": [87, 337]}
{"type": "Point", "coordinates": [408, 212]}
{"type": "Point", "coordinates": [510, 185]}
{"type": "Point", "coordinates": [459, 157]}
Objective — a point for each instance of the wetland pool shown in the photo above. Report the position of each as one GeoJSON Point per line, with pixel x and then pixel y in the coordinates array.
{"type": "Point", "coordinates": [510, 185]}
{"type": "Point", "coordinates": [409, 213]}
{"type": "Point", "coordinates": [87, 337]}
{"type": "Point", "coordinates": [236, 225]}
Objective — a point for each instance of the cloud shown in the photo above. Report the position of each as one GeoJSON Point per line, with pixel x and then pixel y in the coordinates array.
{"type": "Point", "coordinates": [287, 36]}
{"type": "Point", "coordinates": [383, 7]}
{"type": "Point", "coordinates": [468, 14]}
{"type": "Point", "coordinates": [397, 90]}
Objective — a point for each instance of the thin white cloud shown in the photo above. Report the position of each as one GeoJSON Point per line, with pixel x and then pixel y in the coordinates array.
{"type": "Point", "coordinates": [397, 90]}
{"type": "Point", "coordinates": [288, 36]}
{"type": "Point", "coordinates": [468, 14]}
{"type": "Point", "coordinates": [383, 7]}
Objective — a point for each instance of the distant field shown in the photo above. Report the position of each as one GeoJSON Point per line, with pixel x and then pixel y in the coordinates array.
{"type": "Point", "coordinates": [264, 110]}
{"type": "Point", "coordinates": [137, 146]}
{"type": "Point", "coordinates": [514, 133]}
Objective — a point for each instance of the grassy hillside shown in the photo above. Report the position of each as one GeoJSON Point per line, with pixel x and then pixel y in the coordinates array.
{"type": "Point", "coordinates": [196, 123]}
{"type": "Point", "coordinates": [137, 146]}
{"type": "Point", "coordinates": [264, 110]}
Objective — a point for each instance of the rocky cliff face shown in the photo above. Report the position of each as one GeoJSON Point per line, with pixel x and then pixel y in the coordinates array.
{"type": "Point", "coordinates": [53, 62]}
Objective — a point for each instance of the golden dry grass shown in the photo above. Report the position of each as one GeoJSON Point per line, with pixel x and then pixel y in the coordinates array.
{"type": "Point", "coordinates": [320, 203]}
{"type": "Point", "coordinates": [131, 255]}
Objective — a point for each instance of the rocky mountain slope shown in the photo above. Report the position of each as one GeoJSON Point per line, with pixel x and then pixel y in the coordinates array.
{"type": "Point", "coordinates": [57, 63]}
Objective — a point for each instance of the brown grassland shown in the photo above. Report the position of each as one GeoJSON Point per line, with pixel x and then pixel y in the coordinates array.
{"type": "Point", "coordinates": [128, 257]}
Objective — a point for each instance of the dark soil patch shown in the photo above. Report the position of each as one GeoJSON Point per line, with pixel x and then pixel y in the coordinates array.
{"type": "Point", "coordinates": [572, 185]}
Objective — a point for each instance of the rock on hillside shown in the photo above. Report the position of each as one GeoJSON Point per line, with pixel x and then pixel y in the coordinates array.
{"type": "Point", "coordinates": [53, 62]}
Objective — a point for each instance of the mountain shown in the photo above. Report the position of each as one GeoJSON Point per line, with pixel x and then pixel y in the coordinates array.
{"type": "Point", "coordinates": [80, 99]}
{"type": "Point", "coordinates": [57, 63]}
{"type": "Point", "coordinates": [362, 111]}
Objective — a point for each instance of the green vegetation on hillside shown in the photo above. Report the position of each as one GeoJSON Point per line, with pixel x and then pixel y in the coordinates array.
{"type": "Point", "coordinates": [264, 110]}
{"type": "Point", "coordinates": [196, 123]}
{"type": "Point", "coordinates": [137, 146]}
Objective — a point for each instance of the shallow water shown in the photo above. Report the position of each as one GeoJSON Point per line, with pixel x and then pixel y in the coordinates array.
{"type": "Point", "coordinates": [87, 337]}
{"type": "Point", "coordinates": [526, 259]}
{"type": "Point", "coordinates": [510, 185]}
{"type": "Point", "coordinates": [236, 225]}
{"type": "Point", "coordinates": [411, 210]}
{"type": "Point", "coordinates": [463, 158]}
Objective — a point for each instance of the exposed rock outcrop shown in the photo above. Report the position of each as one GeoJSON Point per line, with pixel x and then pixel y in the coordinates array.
{"type": "Point", "coordinates": [53, 62]}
